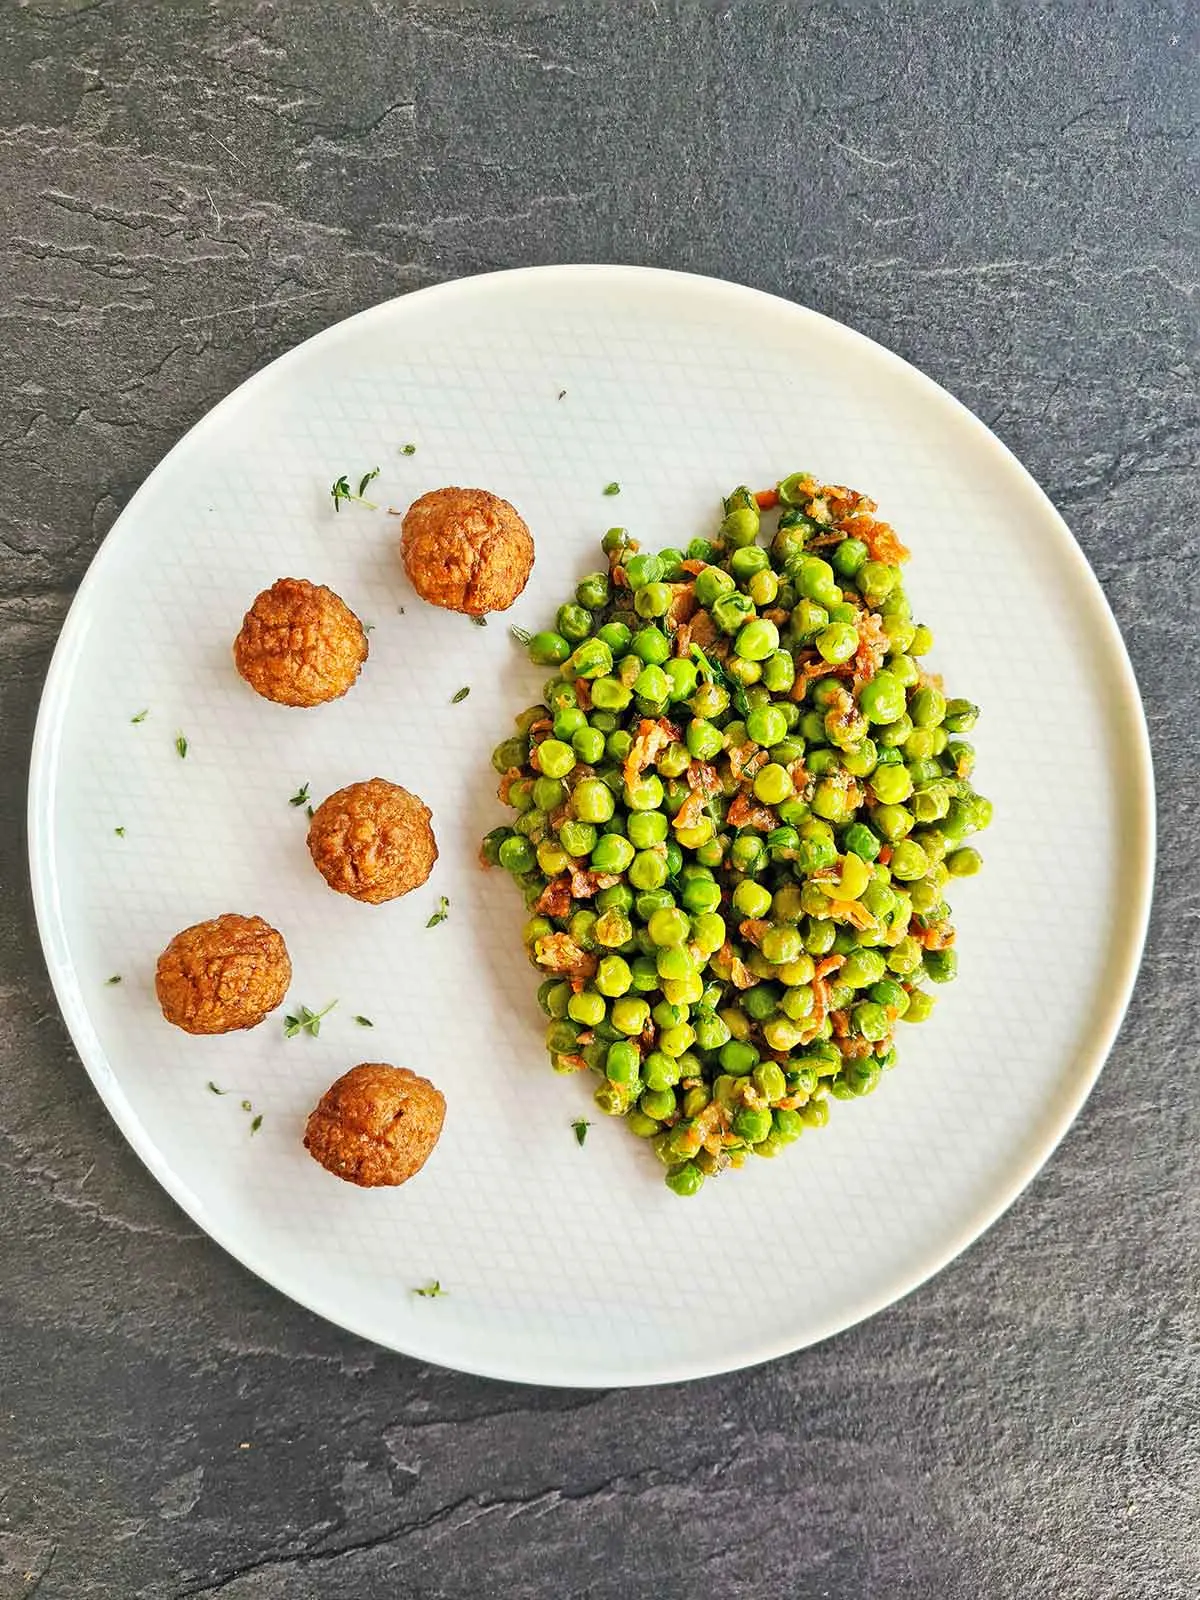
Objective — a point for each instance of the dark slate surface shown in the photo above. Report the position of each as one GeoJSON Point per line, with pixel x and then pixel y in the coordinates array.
{"type": "Point", "coordinates": [1002, 192]}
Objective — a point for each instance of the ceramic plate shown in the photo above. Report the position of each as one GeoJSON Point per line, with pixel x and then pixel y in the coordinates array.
{"type": "Point", "coordinates": [562, 1264]}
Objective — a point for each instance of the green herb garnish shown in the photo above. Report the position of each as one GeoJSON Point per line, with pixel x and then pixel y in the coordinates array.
{"type": "Point", "coordinates": [431, 1291]}
{"type": "Point", "coordinates": [116, 978]}
{"type": "Point", "coordinates": [521, 635]}
{"type": "Point", "coordinates": [580, 1127]}
{"type": "Point", "coordinates": [181, 745]}
{"type": "Point", "coordinates": [256, 1124]}
{"type": "Point", "coordinates": [305, 1021]}
{"type": "Point", "coordinates": [212, 1088]}
{"type": "Point", "coordinates": [120, 832]}
{"type": "Point", "coordinates": [480, 622]}
{"type": "Point", "coordinates": [461, 695]}
{"type": "Point", "coordinates": [341, 490]}
{"type": "Point", "coordinates": [440, 915]}
{"type": "Point", "coordinates": [364, 1022]}
{"type": "Point", "coordinates": [141, 716]}
{"type": "Point", "coordinates": [408, 449]}
{"type": "Point", "coordinates": [612, 488]}
{"type": "Point", "coordinates": [300, 798]}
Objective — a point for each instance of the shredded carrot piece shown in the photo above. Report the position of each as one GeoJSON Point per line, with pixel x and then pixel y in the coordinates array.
{"type": "Point", "coordinates": [767, 499]}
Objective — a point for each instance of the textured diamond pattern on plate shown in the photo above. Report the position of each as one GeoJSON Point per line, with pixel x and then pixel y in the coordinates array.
{"type": "Point", "coordinates": [562, 1264]}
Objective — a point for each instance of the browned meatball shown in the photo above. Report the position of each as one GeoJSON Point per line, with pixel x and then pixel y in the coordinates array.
{"type": "Point", "coordinates": [466, 549]}
{"type": "Point", "coordinates": [373, 841]}
{"type": "Point", "coordinates": [300, 644]}
{"type": "Point", "coordinates": [376, 1125]}
{"type": "Point", "coordinates": [222, 974]}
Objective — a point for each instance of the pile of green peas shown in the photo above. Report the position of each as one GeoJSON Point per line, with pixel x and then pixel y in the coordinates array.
{"type": "Point", "coordinates": [735, 851]}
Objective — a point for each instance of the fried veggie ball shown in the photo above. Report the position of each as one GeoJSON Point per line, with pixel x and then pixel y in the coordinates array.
{"type": "Point", "coordinates": [466, 550]}
{"type": "Point", "coordinates": [373, 841]}
{"type": "Point", "coordinates": [224, 974]}
{"type": "Point", "coordinates": [300, 644]}
{"type": "Point", "coordinates": [377, 1125]}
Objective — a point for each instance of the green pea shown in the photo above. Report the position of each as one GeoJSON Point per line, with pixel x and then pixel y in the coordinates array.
{"type": "Point", "coordinates": [516, 854]}
{"type": "Point", "coordinates": [645, 793]}
{"type": "Point", "coordinates": [927, 707]}
{"type": "Point", "coordinates": [769, 1080]}
{"type": "Point", "coordinates": [588, 745]}
{"type": "Point", "coordinates": [772, 784]}
{"type": "Point", "coordinates": [652, 600]}
{"type": "Point", "coordinates": [685, 1179]}
{"type": "Point", "coordinates": [616, 636]}
{"type": "Point", "coordinates": [922, 641]}
{"type": "Point", "coordinates": [838, 641]}
{"type": "Point", "coordinates": [630, 1014]}
{"type": "Point", "coordinates": [889, 994]}
{"type": "Point", "coordinates": [669, 927]}
{"type": "Point", "coordinates": [643, 569]}
{"type": "Point", "coordinates": [711, 1031]}
{"type": "Point", "coordinates": [618, 745]}
{"type": "Point", "coordinates": [881, 699]}
{"type": "Point", "coordinates": [909, 861]}
{"type": "Point", "coordinates": [573, 622]}
{"type": "Point", "coordinates": [904, 669]}
{"type": "Point", "coordinates": [613, 853]}
{"type": "Point", "coordinates": [592, 591]}
{"type": "Point", "coordinates": [675, 1042]}
{"type": "Point", "coordinates": [920, 1006]}
{"type": "Point", "coordinates": [763, 589]}
{"type": "Point", "coordinates": [658, 1103]}
{"type": "Point", "coordinates": [862, 968]}
{"type": "Point", "coordinates": [871, 1020]}
{"type": "Point", "coordinates": [752, 1125]}
{"type": "Point", "coordinates": [782, 944]}
{"type": "Point", "coordinates": [490, 849]}
{"type": "Point", "coordinates": [557, 693]}
{"type": "Point", "coordinates": [647, 870]}
{"type": "Point", "coordinates": [711, 585]}
{"type": "Point", "coordinates": [941, 965]}
{"type": "Point", "coordinates": [551, 858]}
{"type": "Point", "coordinates": [652, 686]}
{"type": "Point", "coordinates": [817, 847]}
{"type": "Point", "coordinates": [964, 863]}
{"type": "Point", "coordinates": [591, 659]}
{"type": "Point", "coordinates": [740, 527]}
{"type": "Point", "coordinates": [548, 649]}
{"type": "Point", "coordinates": [586, 1007]}
{"type": "Point", "coordinates": [807, 620]}
{"type": "Point", "coordinates": [675, 961]}
{"type": "Point", "coordinates": [767, 725]}
{"type": "Point", "coordinates": [848, 557]}
{"type": "Point", "coordinates": [660, 1072]}
{"type": "Point", "coordinates": [509, 754]}
{"type": "Point", "coordinates": [731, 611]}
{"type": "Point", "coordinates": [683, 676]}
{"type": "Point", "coordinates": [610, 694]}
{"type": "Point", "coordinates": [893, 822]}
{"type": "Point", "coordinates": [756, 640]}
{"type": "Point", "coordinates": [568, 722]}
{"type": "Point", "coordinates": [738, 1057]}
{"type": "Point", "coordinates": [709, 700]}
{"type": "Point", "coordinates": [900, 633]}
{"type": "Point", "coordinates": [704, 740]}
{"type": "Point", "coordinates": [750, 899]}
{"type": "Point", "coordinates": [577, 838]}
{"type": "Point", "coordinates": [592, 801]}
{"type": "Point", "coordinates": [761, 1002]}
{"type": "Point", "coordinates": [622, 1060]}
{"type": "Point", "coordinates": [891, 784]}
{"type": "Point", "coordinates": [644, 974]}
{"type": "Point", "coordinates": [961, 716]}
{"type": "Point", "coordinates": [875, 580]}
{"type": "Point", "coordinates": [554, 996]}
{"type": "Point", "coordinates": [797, 1002]}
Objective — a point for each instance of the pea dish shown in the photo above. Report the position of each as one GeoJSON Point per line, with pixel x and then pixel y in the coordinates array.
{"type": "Point", "coordinates": [738, 809]}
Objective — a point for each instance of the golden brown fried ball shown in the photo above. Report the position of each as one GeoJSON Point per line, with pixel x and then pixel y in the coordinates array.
{"type": "Point", "coordinates": [466, 550]}
{"type": "Point", "coordinates": [300, 644]}
{"type": "Point", "coordinates": [373, 841]}
{"type": "Point", "coordinates": [376, 1125]}
{"type": "Point", "coordinates": [223, 974]}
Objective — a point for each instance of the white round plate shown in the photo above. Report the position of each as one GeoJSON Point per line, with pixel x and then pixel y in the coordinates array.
{"type": "Point", "coordinates": [562, 1264]}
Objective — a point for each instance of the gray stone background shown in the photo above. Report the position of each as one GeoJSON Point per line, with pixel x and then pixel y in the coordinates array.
{"type": "Point", "coordinates": [1002, 192]}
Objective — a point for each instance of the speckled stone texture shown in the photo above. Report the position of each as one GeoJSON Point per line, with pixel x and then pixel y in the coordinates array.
{"type": "Point", "coordinates": [1002, 192]}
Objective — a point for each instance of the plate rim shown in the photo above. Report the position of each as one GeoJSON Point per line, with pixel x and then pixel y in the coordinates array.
{"type": "Point", "coordinates": [1139, 779]}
